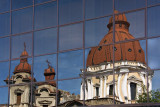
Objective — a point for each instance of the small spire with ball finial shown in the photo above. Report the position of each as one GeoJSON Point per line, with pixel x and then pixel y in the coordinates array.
{"type": "Point", "coordinates": [24, 46]}
{"type": "Point", "coordinates": [48, 63]}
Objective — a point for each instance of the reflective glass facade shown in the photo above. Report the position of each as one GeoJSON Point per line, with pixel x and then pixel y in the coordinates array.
{"type": "Point", "coordinates": [51, 53]}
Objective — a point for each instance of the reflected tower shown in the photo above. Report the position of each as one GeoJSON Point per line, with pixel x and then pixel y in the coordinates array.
{"type": "Point", "coordinates": [128, 57]}
{"type": "Point", "coordinates": [45, 93]}
{"type": "Point", "coordinates": [20, 94]}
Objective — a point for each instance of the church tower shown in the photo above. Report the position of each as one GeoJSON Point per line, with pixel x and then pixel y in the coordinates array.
{"type": "Point", "coordinates": [45, 93]}
{"type": "Point", "coordinates": [128, 57]}
{"type": "Point", "coordinates": [20, 91]}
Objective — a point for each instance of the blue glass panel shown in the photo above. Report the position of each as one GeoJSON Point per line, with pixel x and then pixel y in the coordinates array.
{"type": "Point", "coordinates": [4, 5]}
{"type": "Point", "coordinates": [153, 2]}
{"type": "Point", "coordinates": [4, 73]}
{"type": "Point", "coordinates": [137, 23]}
{"type": "Point", "coordinates": [96, 8]}
{"type": "Point", "coordinates": [4, 48]}
{"type": "Point", "coordinates": [153, 21]}
{"type": "Point", "coordinates": [41, 1]}
{"type": "Point", "coordinates": [22, 20]}
{"type": "Point", "coordinates": [18, 45]}
{"type": "Point", "coordinates": [155, 80]}
{"type": "Point", "coordinates": [143, 46]}
{"type": "Point", "coordinates": [125, 5]}
{"type": "Point", "coordinates": [154, 53]}
{"type": "Point", "coordinates": [70, 11]}
{"type": "Point", "coordinates": [95, 30]}
{"type": "Point", "coordinates": [4, 24]}
{"type": "Point", "coordinates": [71, 36]}
{"type": "Point", "coordinates": [46, 15]}
{"type": "Point", "coordinates": [21, 3]}
{"type": "Point", "coordinates": [4, 96]}
{"type": "Point", "coordinates": [45, 41]}
{"type": "Point", "coordinates": [69, 64]}
{"type": "Point", "coordinates": [40, 65]}
{"type": "Point", "coordinates": [71, 87]}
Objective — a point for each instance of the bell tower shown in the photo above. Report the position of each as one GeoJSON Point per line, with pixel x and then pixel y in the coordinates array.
{"type": "Point", "coordinates": [20, 94]}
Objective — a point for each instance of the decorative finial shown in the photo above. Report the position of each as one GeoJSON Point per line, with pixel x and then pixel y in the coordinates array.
{"type": "Point", "coordinates": [24, 46]}
{"type": "Point", "coordinates": [48, 63]}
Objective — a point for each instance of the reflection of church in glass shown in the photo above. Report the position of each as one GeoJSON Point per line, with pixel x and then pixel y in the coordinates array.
{"type": "Point", "coordinates": [128, 56]}
{"type": "Point", "coordinates": [43, 93]}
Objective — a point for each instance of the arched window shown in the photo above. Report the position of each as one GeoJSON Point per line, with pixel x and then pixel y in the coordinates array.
{"type": "Point", "coordinates": [18, 98]}
{"type": "Point", "coordinates": [18, 92]}
{"type": "Point", "coordinates": [97, 91]}
{"type": "Point", "coordinates": [111, 89]}
{"type": "Point", "coordinates": [133, 90]}
{"type": "Point", "coordinates": [43, 89]}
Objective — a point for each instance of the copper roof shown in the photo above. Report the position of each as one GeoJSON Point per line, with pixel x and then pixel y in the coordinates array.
{"type": "Point", "coordinates": [24, 66]}
{"type": "Point", "coordinates": [130, 51]}
{"type": "Point", "coordinates": [49, 72]}
{"type": "Point", "coordinates": [24, 53]}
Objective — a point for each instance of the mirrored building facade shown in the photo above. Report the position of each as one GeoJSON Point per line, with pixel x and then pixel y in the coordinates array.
{"type": "Point", "coordinates": [69, 53]}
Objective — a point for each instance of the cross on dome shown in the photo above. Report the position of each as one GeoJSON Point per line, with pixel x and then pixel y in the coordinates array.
{"type": "Point", "coordinates": [24, 53]}
{"type": "Point", "coordinates": [24, 46]}
{"type": "Point", "coordinates": [48, 63]}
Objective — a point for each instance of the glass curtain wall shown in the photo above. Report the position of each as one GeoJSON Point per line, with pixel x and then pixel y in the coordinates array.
{"type": "Point", "coordinates": [79, 53]}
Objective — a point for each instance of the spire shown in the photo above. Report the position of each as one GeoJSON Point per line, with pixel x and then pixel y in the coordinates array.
{"type": "Point", "coordinates": [24, 53]}
{"type": "Point", "coordinates": [48, 63]}
{"type": "Point", "coordinates": [24, 46]}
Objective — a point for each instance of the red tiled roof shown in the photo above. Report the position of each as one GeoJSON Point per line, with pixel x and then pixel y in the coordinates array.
{"type": "Point", "coordinates": [130, 51]}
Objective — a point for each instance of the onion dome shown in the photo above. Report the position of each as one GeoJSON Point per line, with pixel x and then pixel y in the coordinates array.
{"type": "Point", "coordinates": [24, 66]}
{"type": "Point", "coordinates": [49, 74]}
{"type": "Point", "coordinates": [128, 51]}
{"type": "Point", "coordinates": [24, 53]}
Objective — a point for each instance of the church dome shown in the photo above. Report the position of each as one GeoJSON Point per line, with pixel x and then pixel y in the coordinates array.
{"type": "Point", "coordinates": [24, 53]}
{"type": "Point", "coordinates": [127, 51]}
{"type": "Point", "coordinates": [24, 66]}
{"type": "Point", "coordinates": [49, 75]}
{"type": "Point", "coordinates": [49, 72]}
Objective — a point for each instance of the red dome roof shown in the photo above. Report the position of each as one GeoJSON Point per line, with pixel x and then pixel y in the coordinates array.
{"type": "Point", "coordinates": [24, 53]}
{"type": "Point", "coordinates": [49, 75]}
{"type": "Point", "coordinates": [49, 72]}
{"type": "Point", "coordinates": [24, 66]}
{"type": "Point", "coordinates": [130, 51]}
